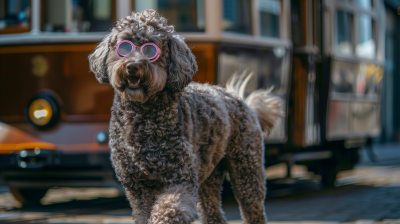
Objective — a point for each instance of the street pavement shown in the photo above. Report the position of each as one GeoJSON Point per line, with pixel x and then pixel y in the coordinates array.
{"type": "Point", "coordinates": [368, 194]}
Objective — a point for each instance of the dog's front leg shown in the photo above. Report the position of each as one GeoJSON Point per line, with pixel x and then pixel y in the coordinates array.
{"type": "Point", "coordinates": [141, 202]}
{"type": "Point", "coordinates": [176, 204]}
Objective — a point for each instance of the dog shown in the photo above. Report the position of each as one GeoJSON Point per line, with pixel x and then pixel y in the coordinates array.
{"type": "Point", "coordinates": [173, 140]}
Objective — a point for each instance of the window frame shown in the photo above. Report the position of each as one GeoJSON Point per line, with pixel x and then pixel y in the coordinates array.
{"type": "Point", "coordinates": [284, 21]}
{"type": "Point", "coordinates": [16, 29]}
{"type": "Point", "coordinates": [257, 54]}
{"type": "Point", "coordinates": [132, 2]}
{"type": "Point", "coordinates": [37, 17]}
{"type": "Point", "coordinates": [213, 29]}
{"type": "Point", "coordinates": [355, 11]}
{"type": "Point", "coordinates": [281, 23]}
{"type": "Point", "coordinates": [253, 21]}
{"type": "Point", "coordinates": [41, 12]}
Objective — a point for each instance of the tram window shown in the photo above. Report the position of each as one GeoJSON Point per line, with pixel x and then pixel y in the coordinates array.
{"type": "Point", "coordinates": [269, 67]}
{"type": "Point", "coordinates": [272, 72]}
{"type": "Point", "coordinates": [343, 77]}
{"type": "Point", "coordinates": [236, 61]}
{"type": "Point", "coordinates": [77, 15]}
{"type": "Point", "coordinates": [270, 11]}
{"type": "Point", "coordinates": [366, 43]}
{"type": "Point", "coordinates": [237, 16]}
{"type": "Point", "coordinates": [344, 32]}
{"type": "Point", "coordinates": [186, 15]}
{"type": "Point", "coordinates": [365, 4]}
{"type": "Point", "coordinates": [363, 79]}
{"type": "Point", "coordinates": [14, 16]}
{"type": "Point", "coordinates": [296, 25]}
{"type": "Point", "coordinates": [369, 79]}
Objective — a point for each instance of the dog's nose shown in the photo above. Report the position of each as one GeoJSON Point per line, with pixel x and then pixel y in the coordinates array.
{"type": "Point", "coordinates": [132, 68]}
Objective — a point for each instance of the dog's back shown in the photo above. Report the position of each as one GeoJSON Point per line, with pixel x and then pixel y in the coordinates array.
{"type": "Point", "coordinates": [214, 117]}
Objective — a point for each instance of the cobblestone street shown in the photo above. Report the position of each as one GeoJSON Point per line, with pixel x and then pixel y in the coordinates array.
{"type": "Point", "coordinates": [369, 194]}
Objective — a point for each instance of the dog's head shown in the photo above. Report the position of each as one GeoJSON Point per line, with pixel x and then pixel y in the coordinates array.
{"type": "Point", "coordinates": [133, 76]}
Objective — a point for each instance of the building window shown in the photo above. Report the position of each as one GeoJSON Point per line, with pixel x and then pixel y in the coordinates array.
{"type": "Point", "coordinates": [270, 11]}
{"type": "Point", "coordinates": [344, 32]}
{"type": "Point", "coordinates": [77, 15]}
{"type": "Point", "coordinates": [14, 16]}
{"type": "Point", "coordinates": [237, 16]}
{"type": "Point", "coordinates": [185, 15]}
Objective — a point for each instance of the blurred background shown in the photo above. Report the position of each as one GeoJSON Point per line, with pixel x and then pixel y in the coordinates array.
{"type": "Point", "coordinates": [333, 157]}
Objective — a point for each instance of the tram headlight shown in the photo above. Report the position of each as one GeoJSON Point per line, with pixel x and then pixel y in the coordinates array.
{"type": "Point", "coordinates": [43, 111]}
{"type": "Point", "coordinates": [40, 112]}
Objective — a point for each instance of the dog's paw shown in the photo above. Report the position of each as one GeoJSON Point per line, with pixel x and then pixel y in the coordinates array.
{"type": "Point", "coordinates": [176, 205]}
{"type": "Point", "coordinates": [170, 216]}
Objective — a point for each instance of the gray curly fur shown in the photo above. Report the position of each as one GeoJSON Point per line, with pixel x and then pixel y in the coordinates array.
{"type": "Point", "coordinates": [173, 140]}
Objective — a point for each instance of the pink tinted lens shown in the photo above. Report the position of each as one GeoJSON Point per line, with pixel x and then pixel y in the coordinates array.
{"type": "Point", "coordinates": [124, 49]}
{"type": "Point", "coordinates": [149, 51]}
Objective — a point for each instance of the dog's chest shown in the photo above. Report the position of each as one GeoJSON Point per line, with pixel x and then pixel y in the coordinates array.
{"type": "Point", "coordinates": [150, 146]}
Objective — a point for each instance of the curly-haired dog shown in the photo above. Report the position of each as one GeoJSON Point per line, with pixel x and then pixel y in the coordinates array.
{"type": "Point", "coordinates": [173, 140]}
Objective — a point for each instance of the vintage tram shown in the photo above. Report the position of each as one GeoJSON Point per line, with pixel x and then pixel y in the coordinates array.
{"type": "Point", "coordinates": [323, 58]}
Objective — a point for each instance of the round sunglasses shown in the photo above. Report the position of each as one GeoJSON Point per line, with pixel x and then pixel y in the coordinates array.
{"type": "Point", "coordinates": [150, 50]}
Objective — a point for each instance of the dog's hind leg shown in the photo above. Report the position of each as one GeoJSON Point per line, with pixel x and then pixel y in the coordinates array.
{"type": "Point", "coordinates": [246, 172]}
{"type": "Point", "coordinates": [209, 205]}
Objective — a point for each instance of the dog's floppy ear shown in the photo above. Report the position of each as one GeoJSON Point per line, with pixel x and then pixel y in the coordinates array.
{"type": "Point", "coordinates": [182, 64]}
{"type": "Point", "coordinates": [98, 59]}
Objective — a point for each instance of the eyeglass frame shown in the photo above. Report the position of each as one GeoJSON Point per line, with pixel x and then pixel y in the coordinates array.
{"type": "Point", "coordinates": [152, 59]}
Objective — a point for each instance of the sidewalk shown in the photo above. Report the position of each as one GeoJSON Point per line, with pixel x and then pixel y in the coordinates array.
{"type": "Point", "coordinates": [383, 152]}
{"type": "Point", "coordinates": [3, 187]}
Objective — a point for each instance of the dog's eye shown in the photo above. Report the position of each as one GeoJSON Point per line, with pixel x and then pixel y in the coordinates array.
{"type": "Point", "coordinates": [125, 49]}
{"type": "Point", "coordinates": [150, 51]}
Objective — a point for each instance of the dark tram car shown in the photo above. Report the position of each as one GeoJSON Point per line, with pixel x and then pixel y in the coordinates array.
{"type": "Point", "coordinates": [336, 83]}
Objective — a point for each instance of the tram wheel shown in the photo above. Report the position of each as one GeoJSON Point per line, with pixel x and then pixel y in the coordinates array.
{"type": "Point", "coordinates": [327, 170]}
{"type": "Point", "coordinates": [328, 176]}
{"type": "Point", "coordinates": [28, 196]}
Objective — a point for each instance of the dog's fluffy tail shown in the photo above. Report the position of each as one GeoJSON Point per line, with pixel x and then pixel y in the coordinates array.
{"type": "Point", "coordinates": [267, 107]}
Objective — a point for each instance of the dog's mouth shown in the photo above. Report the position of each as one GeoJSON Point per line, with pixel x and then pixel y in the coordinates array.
{"type": "Point", "coordinates": [134, 82]}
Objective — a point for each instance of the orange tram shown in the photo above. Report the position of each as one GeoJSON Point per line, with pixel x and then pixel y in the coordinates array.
{"type": "Point", "coordinates": [323, 58]}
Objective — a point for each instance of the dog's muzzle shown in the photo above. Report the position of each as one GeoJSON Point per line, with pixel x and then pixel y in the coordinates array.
{"type": "Point", "coordinates": [134, 80]}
